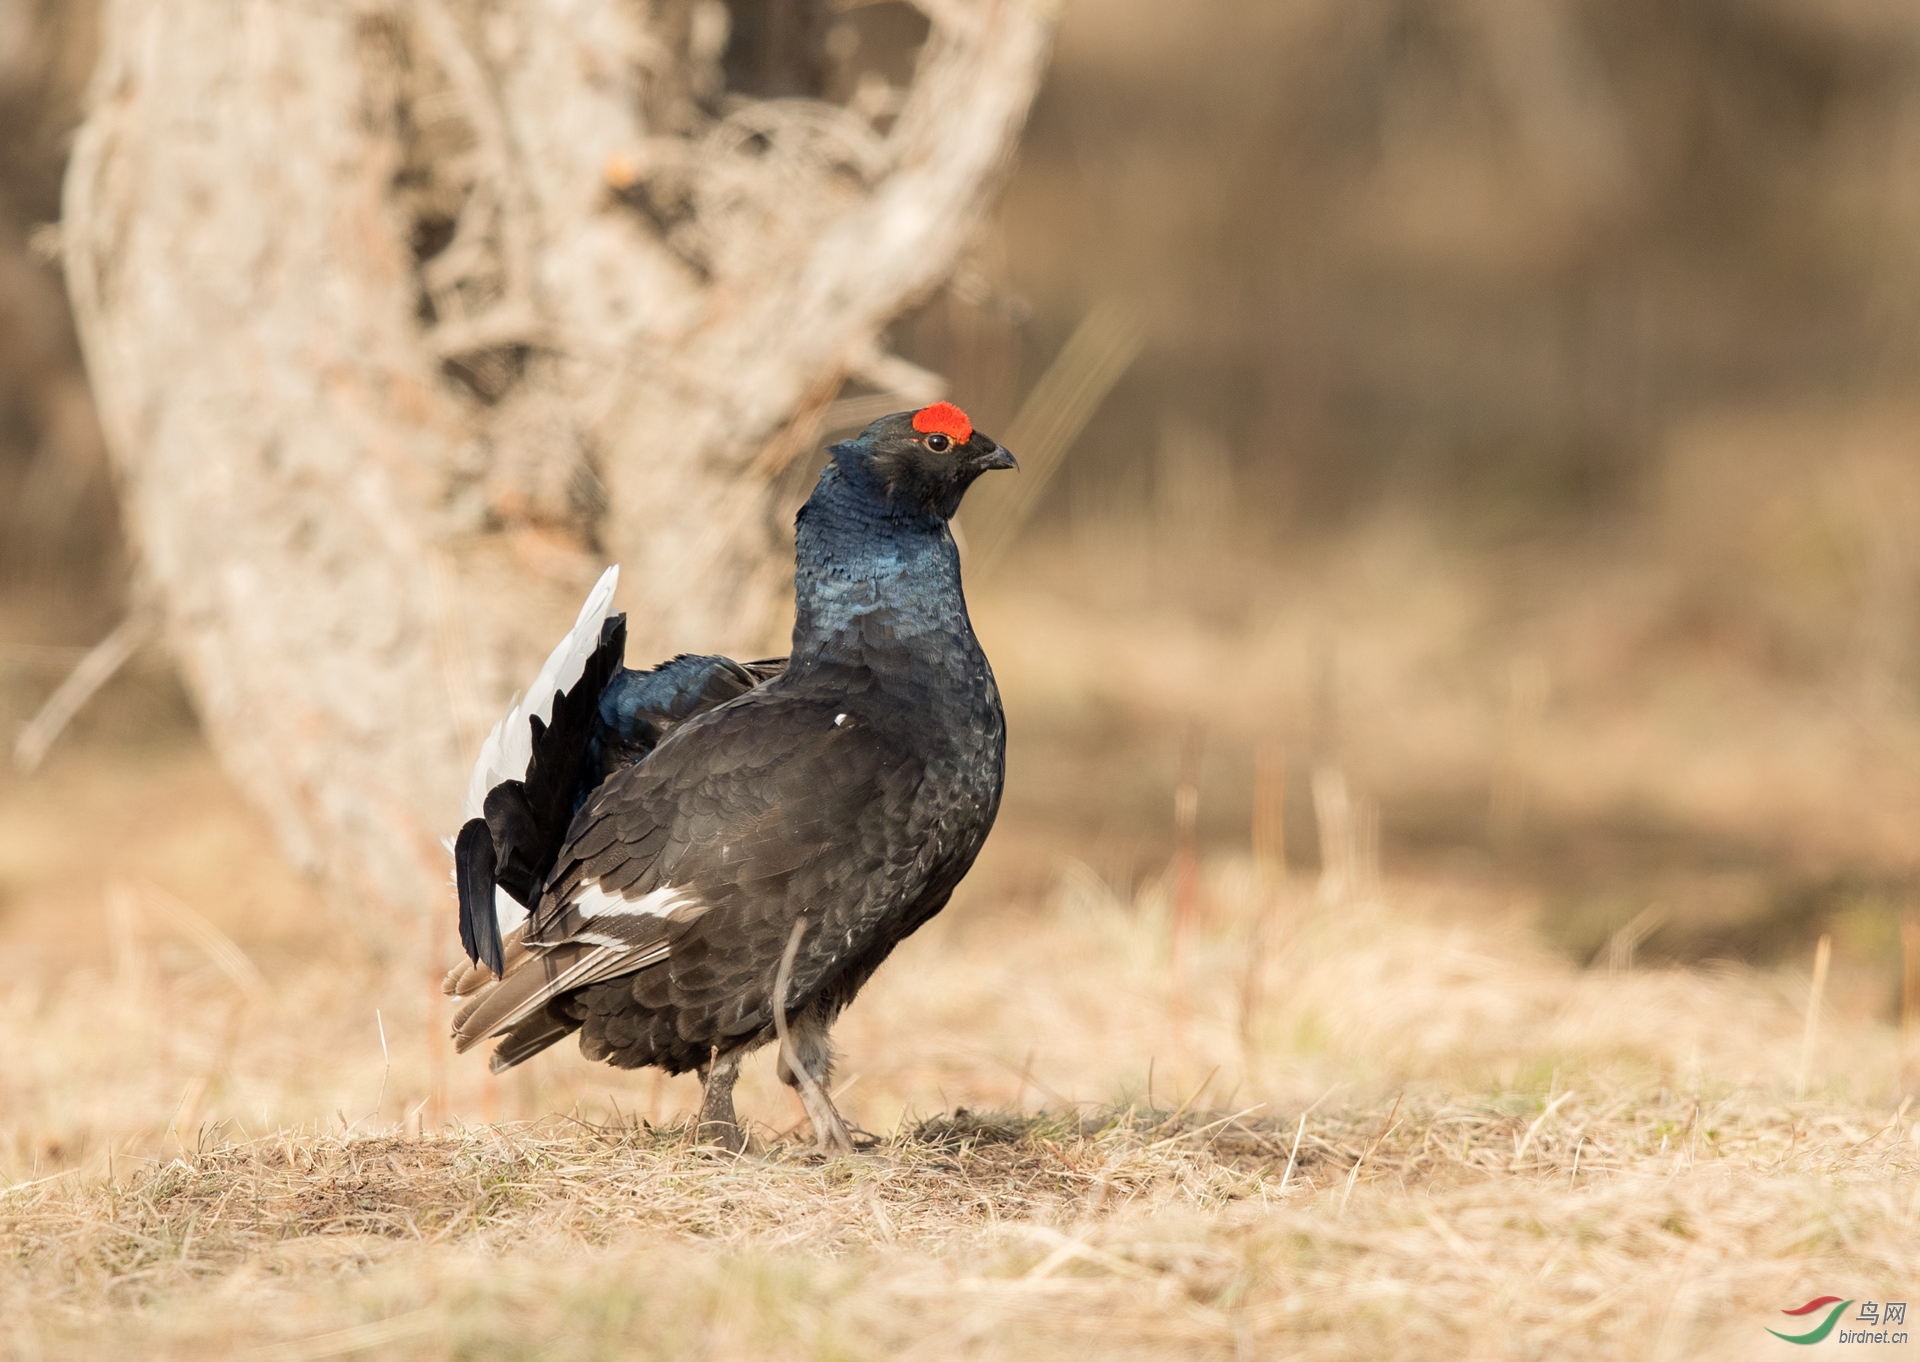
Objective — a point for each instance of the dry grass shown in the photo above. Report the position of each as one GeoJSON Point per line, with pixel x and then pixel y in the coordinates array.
{"type": "Point", "coordinates": [230, 1128]}
{"type": "Point", "coordinates": [1450, 1230]}
{"type": "Point", "coordinates": [1498, 1155]}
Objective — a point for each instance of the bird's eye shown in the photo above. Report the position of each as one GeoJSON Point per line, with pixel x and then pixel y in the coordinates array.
{"type": "Point", "coordinates": [939, 443]}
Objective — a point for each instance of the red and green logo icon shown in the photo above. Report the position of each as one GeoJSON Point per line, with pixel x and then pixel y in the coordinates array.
{"type": "Point", "coordinates": [1820, 1330]}
{"type": "Point", "coordinates": [1882, 1321]}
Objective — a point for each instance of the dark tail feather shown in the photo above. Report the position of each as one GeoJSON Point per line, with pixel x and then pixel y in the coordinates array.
{"type": "Point", "coordinates": [529, 816]}
{"type": "Point", "coordinates": [473, 872]}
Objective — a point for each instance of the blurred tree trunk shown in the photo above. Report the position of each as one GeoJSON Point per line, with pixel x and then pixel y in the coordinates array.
{"type": "Point", "coordinates": [403, 316]}
{"type": "Point", "coordinates": [54, 510]}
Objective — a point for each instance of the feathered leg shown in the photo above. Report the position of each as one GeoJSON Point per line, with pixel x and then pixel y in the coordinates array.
{"type": "Point", "coordinates": [809, 1042]}
{"type": "Point", "coordinates": [718, 1125]}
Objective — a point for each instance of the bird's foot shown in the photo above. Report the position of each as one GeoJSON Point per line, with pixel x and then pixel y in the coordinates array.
{"type": "Point", "coordinates": [725, 1135]}
{"type": "Point", "coordinates": [806, 1061]}
{"type": "Point", "coordinates": [829, 1131]}
{"type": "Point", "coordinates": [718, 1125]}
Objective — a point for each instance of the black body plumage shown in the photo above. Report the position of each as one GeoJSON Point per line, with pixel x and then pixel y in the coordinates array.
{"type": "Point", "coordinates": [719, 803]}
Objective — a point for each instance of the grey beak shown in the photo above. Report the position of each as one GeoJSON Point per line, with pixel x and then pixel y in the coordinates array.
{"type": "Point", "coordinates": [998, 457]}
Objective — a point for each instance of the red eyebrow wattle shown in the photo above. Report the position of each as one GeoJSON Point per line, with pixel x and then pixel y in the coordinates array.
{"type": "Point", "coordinates": [945, 418]}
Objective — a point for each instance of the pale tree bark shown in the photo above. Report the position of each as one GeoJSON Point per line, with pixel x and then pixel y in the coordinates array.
{"type": "Point", "coordinates": [403, 317]}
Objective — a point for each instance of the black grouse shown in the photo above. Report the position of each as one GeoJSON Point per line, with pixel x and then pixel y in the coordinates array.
{"type": "Point", "coordinates": [687, 863]}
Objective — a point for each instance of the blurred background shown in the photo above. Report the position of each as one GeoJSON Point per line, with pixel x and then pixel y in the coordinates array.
{"type": "Point", "coordinates": [1519, 465]}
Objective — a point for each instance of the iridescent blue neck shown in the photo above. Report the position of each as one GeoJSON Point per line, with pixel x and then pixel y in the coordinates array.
{"type": "Point", "coordinates": [870, 576]}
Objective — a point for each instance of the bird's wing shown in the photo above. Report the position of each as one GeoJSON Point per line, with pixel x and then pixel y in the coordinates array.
{"type": "Point", "coordinates": [702, 856]}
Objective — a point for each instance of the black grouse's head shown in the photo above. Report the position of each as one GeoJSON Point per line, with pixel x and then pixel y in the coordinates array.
{"type": "Point", "coordinates": [921, 460]}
